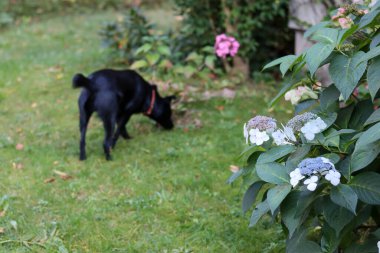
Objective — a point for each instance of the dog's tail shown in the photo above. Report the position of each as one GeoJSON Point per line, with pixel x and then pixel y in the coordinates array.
{"type": "Point", "coordinates": [80, 80]}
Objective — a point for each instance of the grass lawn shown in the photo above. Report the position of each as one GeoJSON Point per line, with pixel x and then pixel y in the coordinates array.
{"type": "Point", "coordinates": [163, 192]}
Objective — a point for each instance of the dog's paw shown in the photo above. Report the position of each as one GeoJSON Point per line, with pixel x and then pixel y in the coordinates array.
{"type": "Point", "coordinates": [82, 157]}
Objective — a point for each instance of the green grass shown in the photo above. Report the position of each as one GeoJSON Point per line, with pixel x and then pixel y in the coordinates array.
{"type": "Point", "coordinates": [163, 192]}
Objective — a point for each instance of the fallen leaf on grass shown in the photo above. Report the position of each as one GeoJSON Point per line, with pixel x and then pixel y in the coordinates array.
{"type": "Point", "coordinates": [2, 230]}
{"type": "Point", "coordinates": [17, 166]}
{"type": "Point", "coordinates": [63, 175]}
{"type": "Point", "coordinates": [2, 213]}
{"type": "Point", "coordinates": [20, 146]}
{"type": "Point", "coordinates": [234, 168]}
{"type": "Point", "coordinates": [49, 180]}
{"type": "Point", "coordinates": [220, 108]}
{"type": "Point", "coordinates": [34, 105]}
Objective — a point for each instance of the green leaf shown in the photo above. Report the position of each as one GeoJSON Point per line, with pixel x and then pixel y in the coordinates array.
{"type": "Point", "coordinates": [295, 158]}
{"type": "Point", "coordinates": [329, 99]}
{"type": "Point", "coordinates": [346, 72]}
{"type": "Point", "coordinates": [329, 241]}
{"type": "Point", "coordinates": [287, 85]}
{"type": "Point", "coordinates": [249, 150]}
{"type": "Point", "coordinates": [274, 173]}
{"type": "Point", "coordinates": [275, 153]}
{"type": "Point", "coordinates": [287, 63]}
{"type": "Point", "coordinates": [361, 157]}
{"type": "Point", "coordinates": [143, 49]}
{"type": "Point", "coordinates": [139, 64]}
{"type": "Point", "coordinates": [343, 195]}
{"type": "Point", "coordinates": [375, 117]}
{"type": "Point", "coordinates": [288, 211]}
{"type": "Point", "coordinates": [367, 187]}
{"type": "Point", "coordinates": [317, 54]}
{"type": "Point", "coordinates": [300, 244]}
{"type": "Point", "coordinates": [329, 119]}
{"type": "Point", "coordinates": [372, 53]}
{"type": "Point", "coordinates": [368, 18]}
{"type": "Point", "coordinates": [327, 35]}
{"type": "Point", "coordinates": [306, 105]}
{"type": "Point", "coordinates": [279, 61]}
{"type": "Point", "coordinates": [336, 216]}
{"type": "Point", "coordinates": [334, 158]}
{"type": "Point", "coordinates": [276, 195]}
{"type": "Point", "coordinates": [373, 77]}
{"type": "Point", "coordinates": [261, 209]}
{"type": "Point", "coordinates": [315, 28]}
{"type": "Point", "coordinates": [362, 110]}
{"type": "Point", "coordinates": [164, 50]}
{"type": "Point", "coordinates": [344, 166]}
{"type": "Point", "coordinates": [234, 176]}
{"type": "Point", "coordinates": [209, 61]}
{"type": "Point", "coordinates": [375, 41]}
{"type": "Point", "coordinates": [152, 58]}
{"type": "Point", "coordinates": [345, 33]}
{"type": "Point", "coordinates": [340, 132]}
{"type": "Point", "coordinates": [251, 194]}
{"type": "Point", "coordinates": [371, 135]}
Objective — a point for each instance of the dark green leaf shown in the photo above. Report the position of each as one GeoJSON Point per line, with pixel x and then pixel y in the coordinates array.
{"type": "Point", "coordinates": [371, 135]}
{"type": "Point", "coordinates": [295, 158]}
{"type": "Point", "coordinates": [372, 53]}
{"type": "Point", "coordinates": [329, 241]}
{"type": "Point", "coordinates": [375, 117]}
{"type": "Point", "coordinates": [368, 18]}
{"type": "Point", "coordinates": [300, 244]}
{"type": "Point", "coordinates": [327, 35]}
{"type": "Point", "coordinates": [288, 211]}
{"type": "Point", "coordinates": [279, 61]}
{"type": "Point", "coordinates": [367, 187]}
{"type": "Point", "coordinates": [306, 105]}
{"type": "Point", "coordinates": [373, 77]}
{"type": "Point", "coordinates": [287, 63]}
{"type": "Point", "coordinates": [317, 54]}
{"type": "Point", "coordinates": [336, 216]}
{"type": "Point", "coordinates": [261, 209]}
{"type": "Point", "coordinates": [251, 194]}
{"type": "Point", "coordinates": [375, 41]}
{"type": "Point", "coordinates": [344, 167]}
{"type": "Point", "coordinates": [360, 114]}
{"type": "Point", "coordinates": [329, 98]}
{"type": "Point", "coordinates": [346, 72]}
{"type": "Point", "coordinates": [314, 28]}
{"type": "Point", "coordinates": [274, 173]}
{"type": "Point", "coordinates": [361, 157]}
{"type": "Point", "coordinates": [344, 196]}
{"type": "Point", "coordinates": [276, 195]}
{"type": "Point", "coordinates": [275, 153]}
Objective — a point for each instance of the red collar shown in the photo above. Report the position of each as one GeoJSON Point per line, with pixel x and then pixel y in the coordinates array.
{"type": "Point", "coordinates": [151, 106]}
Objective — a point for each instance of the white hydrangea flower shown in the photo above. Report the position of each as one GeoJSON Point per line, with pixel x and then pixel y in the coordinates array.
{"type": "Point", "coordinates": [313, 127]}
{"type": "Point", "coordinates": [295, 177]}
{"type": "Point", "coordinates": [279, 138]}
{"type": "Point", "coordinates": [311, 183]}
{"type": "Point", "coordinates": [257, 137]}
{"type": "Point", "coordinates": [333, 176]}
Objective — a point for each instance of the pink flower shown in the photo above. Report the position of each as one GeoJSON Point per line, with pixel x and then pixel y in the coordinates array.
{"type": "Point", "coordinates": [226, 46]}
{"type": "Point", "coordinates": [345, 22]}
{"type": "Point", "coordinates": [335, 17]}
{"type": "Point", "coordinates": [341, 10]}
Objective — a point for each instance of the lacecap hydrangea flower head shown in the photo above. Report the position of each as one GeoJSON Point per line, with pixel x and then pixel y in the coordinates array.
{"type": "Point", "coordinates": [311, 170]}
{"type": "Point", "coordinates": [226, 46]}
{"type": "Point", "coordinates": [309, 124]}
{"type": "Point", "coordinates": [257, 129]}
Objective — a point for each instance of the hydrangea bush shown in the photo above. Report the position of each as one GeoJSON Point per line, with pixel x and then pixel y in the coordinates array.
{"type": "Point", "coordinates": [319, 173]}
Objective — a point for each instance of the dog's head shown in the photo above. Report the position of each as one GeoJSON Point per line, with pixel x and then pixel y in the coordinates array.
{"type": "Point", "coordinates": [161, 109]}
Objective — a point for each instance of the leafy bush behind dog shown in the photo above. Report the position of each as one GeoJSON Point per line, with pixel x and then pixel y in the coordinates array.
{"type": "Point", "coordinates": [319, 175]}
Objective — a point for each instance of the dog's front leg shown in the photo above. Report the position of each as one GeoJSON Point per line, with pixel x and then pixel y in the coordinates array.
{"type": "Point", "coordinates": [121, 129]}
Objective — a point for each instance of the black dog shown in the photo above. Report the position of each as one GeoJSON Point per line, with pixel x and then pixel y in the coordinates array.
{"type": "Point", "coordinates": [116, 95]}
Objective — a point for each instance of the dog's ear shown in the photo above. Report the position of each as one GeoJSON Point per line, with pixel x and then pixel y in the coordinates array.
{"type": "Point", "coordinates": [170, 98]}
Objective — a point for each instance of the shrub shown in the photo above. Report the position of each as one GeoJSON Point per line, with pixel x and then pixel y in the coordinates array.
{"type": "Point", "coordinates": [318, 175]}
{"type": "Point", "coordinates": [260, 26]}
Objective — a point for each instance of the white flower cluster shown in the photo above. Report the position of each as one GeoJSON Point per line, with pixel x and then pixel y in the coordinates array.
{"type": "Point", "coordinates": [299, 94]}
{"type": "Point", "coordinates": [257, 129]}
{"type": "Point", "coordinates": [260, 128]}
{"type": "Point", "coordinates": [313, 127]}
{"type": "Point", "coordinates": [312, 169]}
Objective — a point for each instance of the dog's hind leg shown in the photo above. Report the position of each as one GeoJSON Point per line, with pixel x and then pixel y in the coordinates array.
{"type": "Point", "coordinates": [84, 113]}
{"type": "Point", "coordinates": [121, 128]}
{"type": "Point", "coordinates": [109, 128]}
